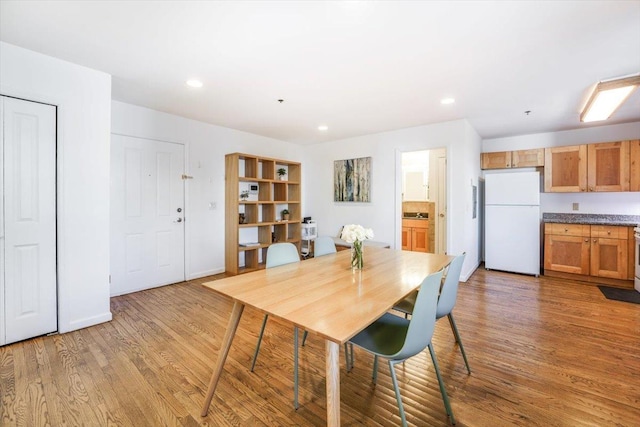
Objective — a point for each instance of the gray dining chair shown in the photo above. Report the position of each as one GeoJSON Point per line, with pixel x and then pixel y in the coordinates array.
{"type": "Point", "coordinates": [323, 245]}
{"type": "Point", "coordinates": [397, 339]}
{"type": "Point", "coordinates": [446, 301]}
{"type": "Point", "coordinates": [280, 254]}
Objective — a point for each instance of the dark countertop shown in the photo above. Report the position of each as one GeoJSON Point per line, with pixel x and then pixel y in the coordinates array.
{"type": "Point", "coordinates": [592, 219]}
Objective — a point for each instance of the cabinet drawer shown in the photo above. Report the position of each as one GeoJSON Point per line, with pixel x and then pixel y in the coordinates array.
{"type": "Point", "coordinates": [415, 223]}
{"type": "Point", "coordinates": [610, 231]}
{"type": "Point", "coordinates": [567, 229]}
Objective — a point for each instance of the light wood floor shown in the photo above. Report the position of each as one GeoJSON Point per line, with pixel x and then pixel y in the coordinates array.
{"type": "Point", "coordinates": [544, 352]}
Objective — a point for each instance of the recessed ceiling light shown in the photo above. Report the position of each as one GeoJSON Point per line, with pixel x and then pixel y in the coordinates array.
{"type": "Point", "coordinates": [446, 101]}
{"type": "Point", "coordinates": [194, 83]}
{"type": "Point", "coordinates": [323, 127]}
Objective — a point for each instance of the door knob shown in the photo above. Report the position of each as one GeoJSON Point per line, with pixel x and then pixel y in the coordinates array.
{"type": "Point", "coordinates": [178, 220]}
{"type": "Point", "coordinates": [441, 215]}
{"type": "Point", "coordinates": [179, 210]}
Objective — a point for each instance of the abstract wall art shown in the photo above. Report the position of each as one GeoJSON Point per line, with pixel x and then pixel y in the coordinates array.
{"type": "Point", "coordinates": [352, 180]}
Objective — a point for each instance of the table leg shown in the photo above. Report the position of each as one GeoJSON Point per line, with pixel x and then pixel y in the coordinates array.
{"type": "Point", "coordinates": [333, 383]}
{"type": "Point", "coordinates": [234, 320]}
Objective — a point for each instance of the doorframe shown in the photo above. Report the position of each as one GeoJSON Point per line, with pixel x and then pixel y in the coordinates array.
{"type": "Point", "coordinates": [55, 103]}
{"type": "Point", "coordinates": [185, 195]}
{"type": "Point", "coordinates": [398, 192]}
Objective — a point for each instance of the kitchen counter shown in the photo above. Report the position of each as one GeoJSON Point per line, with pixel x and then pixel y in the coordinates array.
{"type": "Point", "coordinates": [591, 219]}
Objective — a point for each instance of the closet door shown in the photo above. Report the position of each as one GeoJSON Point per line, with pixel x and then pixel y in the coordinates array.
{"type": "Point", "coordinates": [29, 220]}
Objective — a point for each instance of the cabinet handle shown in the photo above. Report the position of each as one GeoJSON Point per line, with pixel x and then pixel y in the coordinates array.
{"type": "Point", "coordinates": [595, 240]}
{"type": "Point", "coordinates": [590, 188]}
{"type": "Point", "coordinates": [586, 240]}
{"type": "Point", "coordinates": [566, 229]}
{"type": "Point", "coordinates": [608, 232]}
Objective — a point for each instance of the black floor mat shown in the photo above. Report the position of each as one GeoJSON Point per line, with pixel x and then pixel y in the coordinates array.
{"type": "Point", "coordinates": [626, 295]}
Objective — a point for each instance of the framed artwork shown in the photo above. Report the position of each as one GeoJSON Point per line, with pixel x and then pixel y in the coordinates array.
{"type": "Point", "coordinates": [352, 180]}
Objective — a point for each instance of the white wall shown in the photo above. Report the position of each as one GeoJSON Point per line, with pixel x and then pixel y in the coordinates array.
{"type": "Point", "coordinates": [205, 148]}
{"type": "Point", "coordinates": [623, 203]}
{"type": "Point", "coordinates": [83, 98]}
{"type": "Point", "coordinates": [383, 214]}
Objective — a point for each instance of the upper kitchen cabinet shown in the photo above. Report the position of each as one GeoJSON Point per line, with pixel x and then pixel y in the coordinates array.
{"type": "Point", "coordinates": [513, 159]}
{"type": "Point", "coordinates": [634, 165]}
{"type": "Point", "coordinates": [565, 169]}
{"type": "Point", "coordinates": [527, 158]}
{"type": "Point", "coordinates": [496, 160]}
{"type": "Point", "coordinates": [608, 166]}
{"type": "Point", "coordinates": [594, 167]}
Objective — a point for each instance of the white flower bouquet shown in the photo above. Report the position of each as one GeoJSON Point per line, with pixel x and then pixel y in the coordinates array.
{"type": "Point", "coordinates": [356, 234]}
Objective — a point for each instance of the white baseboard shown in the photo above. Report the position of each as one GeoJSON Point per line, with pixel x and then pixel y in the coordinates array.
{"type": "Point", "coordinates": [86, 322]}
{"type": "Point", "coordinates": [206, 273]}
{"type": "Point", "coordinates": [465, 276]}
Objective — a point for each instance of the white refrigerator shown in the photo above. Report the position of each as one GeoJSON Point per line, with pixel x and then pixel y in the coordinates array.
{"type": "Point", "coordinates": [512, 222]}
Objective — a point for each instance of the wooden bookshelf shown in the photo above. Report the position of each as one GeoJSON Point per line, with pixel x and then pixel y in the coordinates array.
{"type": "Point", "coordinates": [246, 244]}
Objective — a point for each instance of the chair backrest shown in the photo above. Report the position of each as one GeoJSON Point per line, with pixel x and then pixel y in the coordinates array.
{"type": "Point", "coordinates": [282, 253]}
{"type": "Point", "coordinates": [449, 292]}
{"type": "Point", "coordinates": [323, 245]}
{"type": "Point", "coordinates": [423, 319]}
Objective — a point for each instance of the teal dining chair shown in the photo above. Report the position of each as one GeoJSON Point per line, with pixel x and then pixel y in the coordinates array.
{"type": "Point", "coordinates": [446, 301]}
{"type": "Point", "coordinates": [323, 245]}
{"type": "Point", "coordinates": [397, 339]}
{"type": "Point", "coordinates": [281, 254]}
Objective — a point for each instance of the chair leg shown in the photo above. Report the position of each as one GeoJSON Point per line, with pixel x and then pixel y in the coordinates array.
{"type": "Point", "coordinates": [304, 337]}
{"type": "Point", "coordinates": [454, 328]}
{"type": "Point", "coordinates": [374, 375]}
{"type": "Point", "coordinates": [295, 367]}
{"type": "Point", "coordinates": [346, 357]}
{"type": "Point", "coordinates": [445, 398]}
{"type": "Point", "coordinates": [255, 354]}
{"type": "Point", "coordinates": [397, 390]}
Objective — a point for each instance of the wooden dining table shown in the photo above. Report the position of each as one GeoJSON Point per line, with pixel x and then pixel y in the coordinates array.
{"type": "Point", "coordinates": [325, 297]}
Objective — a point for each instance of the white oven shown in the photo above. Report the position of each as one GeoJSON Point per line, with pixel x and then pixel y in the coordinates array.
{"type": "Point", "coordinates": [636, 280]}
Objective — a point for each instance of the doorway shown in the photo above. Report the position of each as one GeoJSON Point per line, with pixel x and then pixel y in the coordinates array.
{"type": "Point", "coordinates": [424, 194]}
{"type": "Point", "coordinates": [28, 270]}
{"type": "Point", "coordinates": [147, 214]}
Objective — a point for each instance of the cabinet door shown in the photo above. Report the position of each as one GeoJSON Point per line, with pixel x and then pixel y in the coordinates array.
{"type": "Point", "coordinates": [497, 160]}
{"type": "Point", "coordinates": [420, 239]}
{"type": "Point", "coordinates": [608, 168]}
{"type": "Point", "coordinates": [406, 238]}
{"type": "Point", "coordinates": [527, 158]}
{"type": "Point", "coordinates": [609, 258]}
{"type": "Point", "coordinates": [565, 169]}
{"type": "Point", "coordinates": [569, 254]}
{"type": "Point", "coordinates": [634, 165]}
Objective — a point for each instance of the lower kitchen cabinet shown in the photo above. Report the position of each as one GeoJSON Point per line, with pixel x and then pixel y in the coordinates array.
{"type": "Point", "coordinates": [595, 252]}
{"type": "Point", "coordinates": [415, 235]}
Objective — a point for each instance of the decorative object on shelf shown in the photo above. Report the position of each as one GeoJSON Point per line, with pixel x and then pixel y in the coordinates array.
{"type": "Point", "coordinates": [244, 195]}
{"type": "Point", "coordinates": [356, 235]}
{"type": "Point", "coordinates": [241, 219]}
{"type": "Point", "coordinates": [352, 180]}
{"type": "Point", "coordinates": [282, 173]}
{"type": "Point", "coordinates": [285, 214]}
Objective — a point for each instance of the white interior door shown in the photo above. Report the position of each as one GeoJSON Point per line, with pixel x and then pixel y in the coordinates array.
{"type": "Point", "coordinates": [147, 214]}
{"type": "Point", "coordinates": [28, 221]}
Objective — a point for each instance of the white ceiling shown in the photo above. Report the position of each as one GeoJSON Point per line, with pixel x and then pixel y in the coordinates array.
{"type": "Point", "coordinates": [358, 67]}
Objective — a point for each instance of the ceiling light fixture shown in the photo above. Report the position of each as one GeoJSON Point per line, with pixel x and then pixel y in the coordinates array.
{"type": "Point", "coordinates": [194, 83]}
{"type": "Point", "coordinates": [446, 101]}
{"type": "Point", "coordinates": [607, 97]}
{"type": "Point", "coordinates": [323, 127]}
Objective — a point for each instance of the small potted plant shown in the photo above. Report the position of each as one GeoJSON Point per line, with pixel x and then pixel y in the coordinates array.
{"type": "Point", "coordinates": [282, 172]}
{"type": "Point", "coordinates": [285, 214]}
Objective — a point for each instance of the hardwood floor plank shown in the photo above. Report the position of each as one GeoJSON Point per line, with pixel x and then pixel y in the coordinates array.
{"type": "Point", "coordinates": [544, 352]}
